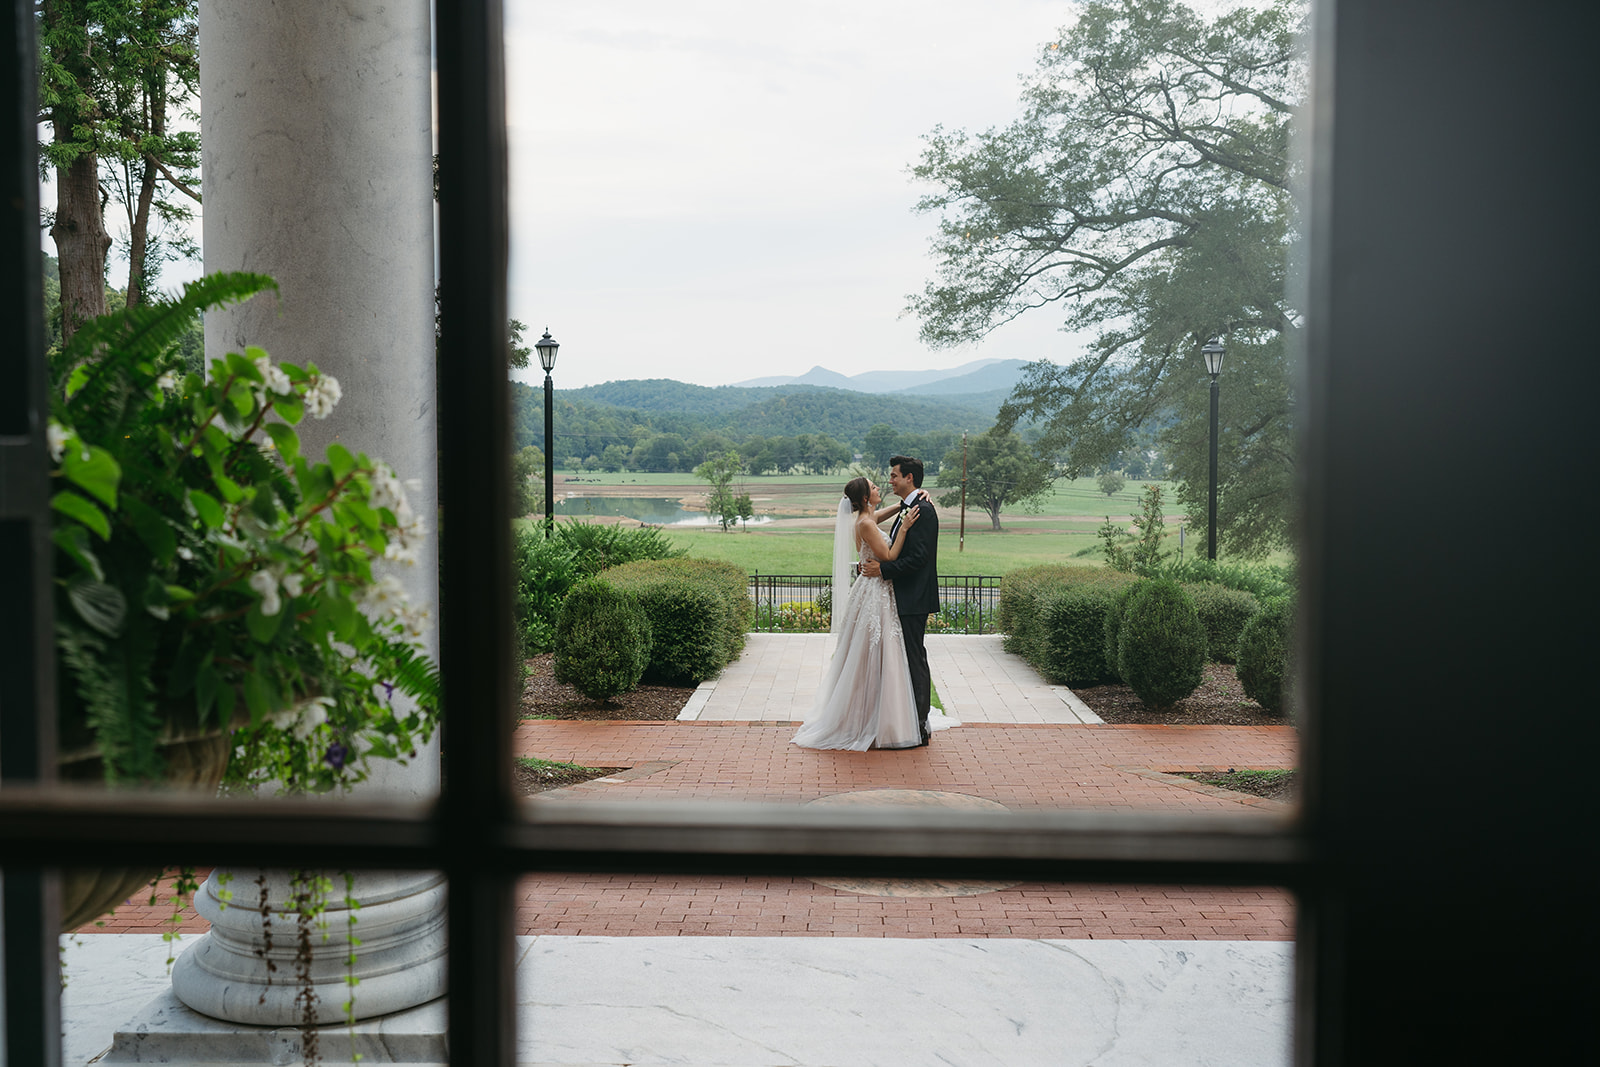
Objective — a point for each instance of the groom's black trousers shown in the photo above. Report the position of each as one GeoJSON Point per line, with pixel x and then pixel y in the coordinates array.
{"type": "Point", "coordinates": [913, 629]}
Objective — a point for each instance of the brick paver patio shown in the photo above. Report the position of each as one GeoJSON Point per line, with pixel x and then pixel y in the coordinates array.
{"type": "Point", "coordinates": [1024, 744]}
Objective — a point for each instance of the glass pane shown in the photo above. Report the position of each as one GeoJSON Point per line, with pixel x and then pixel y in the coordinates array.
{"type": "Point", "coordinates": [719, 211]}
{"type": "Point", "coordinates": [281, 981]}
{"type": "Point", "coordinates": [889, 970]}
{"type": "Point", "coordinates": [248, 578]}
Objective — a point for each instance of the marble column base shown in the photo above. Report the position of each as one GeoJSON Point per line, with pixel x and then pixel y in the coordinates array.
{"type": "Point", "coordinates": [245, 969]}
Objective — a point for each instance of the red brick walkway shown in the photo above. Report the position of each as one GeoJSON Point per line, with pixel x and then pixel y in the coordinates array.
{"type": "Point", "coordinates": [1020, 766]}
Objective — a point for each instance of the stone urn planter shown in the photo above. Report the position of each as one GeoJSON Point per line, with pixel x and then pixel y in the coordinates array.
{"type": "Point", "coordinates": [87, 893]}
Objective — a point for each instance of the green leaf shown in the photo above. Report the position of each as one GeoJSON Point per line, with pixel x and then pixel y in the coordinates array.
{"type": "Point", "coordinates": [263, 627]}
{"type": "Point", "coordinates": [258, 697]}
{"type": "Point", "coordinates": [83, 510]}
{"type": "Point", "coordinates": [176, 593]}
{"type": "Point", "coordinates": [229, 489]}
{"type": "Point", "coordinates": [340, 459]}
{"type": "Point", "coordinates": [98, 475]}
{"type": "Point", "coordinates": [284, 439]}
{"type": "Point", "coordinates": [205, 505]}
{"type": "Point", "coordinates": [74, 541]}
{"type": "Point", "coordinates": [315, 482]}
{"type": "Point", "coordinates": [242, 397]}
{"type": "Point", "coordinates": [341, 616]}
{"type": "Point", "coordinates": [155, 598]}
{"type": "Point", "coordinates": [240, 367]}
{"type": "Point", "coordinates": [100, 605]}
{"type": "Point", "coordinates": [153, 529]}
{"type": "Point", "coordinates": [290, 409]}
{"type": "Point", "coordinates": [77, 379]}
{"type": "Point", "coordinates": [356, 513]}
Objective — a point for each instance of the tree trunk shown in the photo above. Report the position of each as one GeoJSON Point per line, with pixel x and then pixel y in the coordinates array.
{"type": "Point", "coordinates": [994, 517]}
{"type": "Point", "coordinates": [139, 234]}
{"type": "Point", "coordinates": [81, 239]}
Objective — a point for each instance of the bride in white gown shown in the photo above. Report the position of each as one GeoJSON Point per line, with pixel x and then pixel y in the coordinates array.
{"type": "Point", "coordinates": [865, 698]}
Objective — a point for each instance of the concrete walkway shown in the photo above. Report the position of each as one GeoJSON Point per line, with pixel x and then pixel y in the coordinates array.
{"type": "Point", "coordinates": [977, 681]}
{"type": "Point", "coordinates": [802, 972]}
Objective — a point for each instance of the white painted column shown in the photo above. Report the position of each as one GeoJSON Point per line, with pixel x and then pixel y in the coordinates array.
{"type": "Point", "coordinates": [316, 127]}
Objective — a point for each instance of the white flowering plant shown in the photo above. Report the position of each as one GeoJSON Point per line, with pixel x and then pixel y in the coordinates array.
{"type": "Point", "coordinates": [212, 578]}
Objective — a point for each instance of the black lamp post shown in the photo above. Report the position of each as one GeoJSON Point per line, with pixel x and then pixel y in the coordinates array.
{"type": "Point", "coordinates": [1213, 353]}
{"type": "Point", "coordinates": [547, 346]}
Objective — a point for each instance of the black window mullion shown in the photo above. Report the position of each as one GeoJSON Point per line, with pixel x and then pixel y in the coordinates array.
{"type": "Point", "coordinates": [476, 650]}
{"type": "Point", "coordinates": [32, 1004]}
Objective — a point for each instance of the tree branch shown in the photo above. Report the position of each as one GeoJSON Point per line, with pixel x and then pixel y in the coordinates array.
{"type": "Point", "coordinates": [173, 178]}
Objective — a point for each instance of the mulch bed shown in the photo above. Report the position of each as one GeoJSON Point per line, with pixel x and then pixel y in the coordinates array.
{"type": "Point", "coordinates": [545, 698]}
{"type": "Point", "coordinates": [1220, 701]}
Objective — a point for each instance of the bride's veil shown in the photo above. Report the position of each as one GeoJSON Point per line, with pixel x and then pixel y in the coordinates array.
{"type": "Point", "coordinates": [844, 557]}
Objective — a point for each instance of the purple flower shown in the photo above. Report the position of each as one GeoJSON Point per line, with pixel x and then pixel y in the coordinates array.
{"type": "Point", "coordinates": [388, 691]}
{"type": "Point", "coordinates": [336, 756]}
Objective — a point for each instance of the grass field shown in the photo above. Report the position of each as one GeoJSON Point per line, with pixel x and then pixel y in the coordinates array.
{"type": "Point", "coordinates": [800, 539]}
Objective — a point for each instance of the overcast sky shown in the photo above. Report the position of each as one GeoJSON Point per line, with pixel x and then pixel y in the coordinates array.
{"type": "Point", "coordinates": [718, 190]}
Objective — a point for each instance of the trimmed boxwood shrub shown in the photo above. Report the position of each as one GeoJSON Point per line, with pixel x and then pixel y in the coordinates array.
{"type": "Point", "coordinates": [1111, 629]}
{"type": "Point", "coordinates": [1023, 593]}
{"type": "Point", "coordinates": [1223, 612]}
{"type": "Point", "coordinates": [602, 640]}
{"type": "Point", "coordinates": [1264, 645]}
{"type": "Point", "coordinates": [1068, 643]}
{"type": "Point", "coordinates": [1161, 646]}
{"type": "Point", "coordinates": [699, 612]}
{"type": "Point", "coordinates": [544, 570]}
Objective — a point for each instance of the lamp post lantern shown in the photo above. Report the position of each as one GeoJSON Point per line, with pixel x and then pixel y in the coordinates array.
{"type": "Point", "coordinates": [1213, 352]}
{"type": "Point", "coordinates": [547, 347]}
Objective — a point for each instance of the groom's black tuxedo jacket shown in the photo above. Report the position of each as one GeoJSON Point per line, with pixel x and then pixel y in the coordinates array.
{"type": "Point", "coordinates": [916, 573]}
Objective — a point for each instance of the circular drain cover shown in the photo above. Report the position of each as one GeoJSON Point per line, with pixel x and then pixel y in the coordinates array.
{"type": "Point", "coordinates": [910, 887]}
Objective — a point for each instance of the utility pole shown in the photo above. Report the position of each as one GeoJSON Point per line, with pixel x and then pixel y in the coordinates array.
{"type": "Point", "coordinates": [961, 545]}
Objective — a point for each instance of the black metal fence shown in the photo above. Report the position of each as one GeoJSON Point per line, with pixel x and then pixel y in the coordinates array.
{"type": "Point", "coordinates": [801, 603]}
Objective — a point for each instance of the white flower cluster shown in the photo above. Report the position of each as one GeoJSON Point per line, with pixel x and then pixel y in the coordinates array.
{"type": "Point", "coordinates": [167, 382]}
{"type": "Point", "coordinates": [266, 583]}
{"type": "Point", "coordinates": [56, 437]}
{"type": "Point", "coordinates": [388, 492]}
{"type": "Point", "coordinates": [273, 381]}
{"type": "Point", "coordinates": [322, 396]}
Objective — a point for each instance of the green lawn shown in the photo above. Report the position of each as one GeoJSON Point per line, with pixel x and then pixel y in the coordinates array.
{"type": "Point", "coordinates": [1064, 530]}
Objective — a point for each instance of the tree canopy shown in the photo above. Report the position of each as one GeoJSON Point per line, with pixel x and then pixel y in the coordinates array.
{"type": "Point", "coordinates": [1000, 470]}
{"type": "Point", "coordinates": [114, 81]}
{"type": "Point", "coordinates": [1143, 196]}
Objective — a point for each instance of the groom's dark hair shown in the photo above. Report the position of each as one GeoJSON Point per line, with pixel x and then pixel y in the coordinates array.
{"type": "Point", "coordinates": [912, 468]}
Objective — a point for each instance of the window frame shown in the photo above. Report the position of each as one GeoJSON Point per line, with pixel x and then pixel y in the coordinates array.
{"type": "Point", "coordinates": [1346, 858]}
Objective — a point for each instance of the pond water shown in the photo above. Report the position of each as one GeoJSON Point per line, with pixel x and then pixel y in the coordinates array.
{"type": "Point", "coordinates": [655, 510]}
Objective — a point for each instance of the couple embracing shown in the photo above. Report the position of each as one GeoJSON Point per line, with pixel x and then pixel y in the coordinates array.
{"type": "Point", "coordinates": [876, 691]}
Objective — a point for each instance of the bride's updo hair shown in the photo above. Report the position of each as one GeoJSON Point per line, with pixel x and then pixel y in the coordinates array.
{"type": "Point", "coordinates": [857, 490]}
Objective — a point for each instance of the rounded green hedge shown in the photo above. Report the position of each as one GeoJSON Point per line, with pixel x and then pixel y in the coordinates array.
{"type": "Point", "coordinates": [602, 640]}
{"type": "Point", "coordinates": [1111, 629]}
{"type": "Point", "coordinates": [699, 612]}
{"type": "Point", "coordinates": [1264, 645]}
{"type": "Point", "coordinates": [1223, 612]}
{"type": "Point", "coordinates": [1161, 646]}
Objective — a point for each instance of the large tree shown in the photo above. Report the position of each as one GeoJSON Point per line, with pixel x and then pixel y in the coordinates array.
{"type": "Point", "coordinates": [1143, 197]}
{"type": "Point", "coordinates": [116, 77]}
{"type": "Point", "coordinates": [1000, 470]}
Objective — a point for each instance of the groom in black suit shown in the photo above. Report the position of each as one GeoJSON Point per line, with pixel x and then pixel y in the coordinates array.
{"type": "Point", "coordinates": [915, 575]}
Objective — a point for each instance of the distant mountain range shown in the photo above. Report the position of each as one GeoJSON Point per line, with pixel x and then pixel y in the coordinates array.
{"type": "Point", "coordinates": [979, 376]}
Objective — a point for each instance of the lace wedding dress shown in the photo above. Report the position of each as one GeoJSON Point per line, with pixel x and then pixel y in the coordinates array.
{"type": "Point", "coordinates": [865, 698]}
